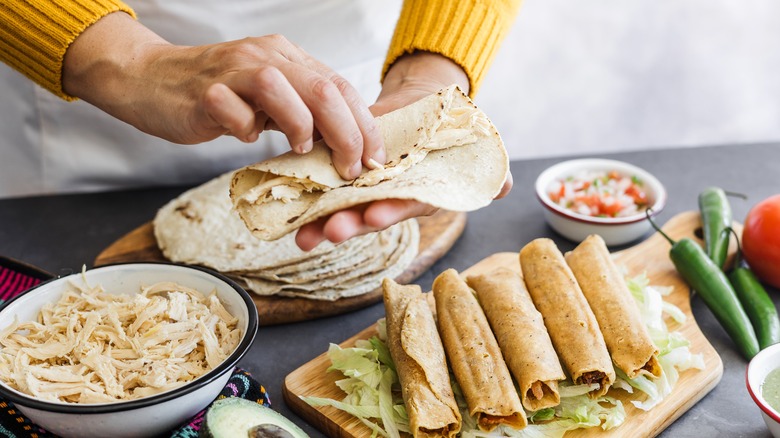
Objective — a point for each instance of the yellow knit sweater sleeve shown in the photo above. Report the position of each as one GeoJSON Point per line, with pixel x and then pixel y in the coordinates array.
{"type": "Point", "coordinates": [34, 34]}
{"type": "Point", "coordinates": [468, 32]}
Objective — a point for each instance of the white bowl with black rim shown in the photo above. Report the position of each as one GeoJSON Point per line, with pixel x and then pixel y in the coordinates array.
{"type": "Point", "coordinates": [146, 416]}
{"type": "Point", "coordinates": [759, 368]}
{"type": "Point", "coordinates": [614, 230]}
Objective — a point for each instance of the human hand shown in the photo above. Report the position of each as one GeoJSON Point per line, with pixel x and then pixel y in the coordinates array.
{"type": "Point", "coordinates": [411, 78]}
{"type": "Point", "coordinates": [194, 94]}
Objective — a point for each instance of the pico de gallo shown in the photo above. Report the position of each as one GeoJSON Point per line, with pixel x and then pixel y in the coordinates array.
{"type": "Point", "coordinates": [600, 194]}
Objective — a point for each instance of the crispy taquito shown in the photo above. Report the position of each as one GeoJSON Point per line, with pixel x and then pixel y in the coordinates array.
{"type": "Point", "coordinates": [475, 356]}
{"type": "Point", "coordinates": [569, 320]}
{"type": "Point", "coordinates": [616, 311]}
{"type": "Point", "coordinates": [522, 336]}
{"type": "Point", "coordinates": [420, 362]}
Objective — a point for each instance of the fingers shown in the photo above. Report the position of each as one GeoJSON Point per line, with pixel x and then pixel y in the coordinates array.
{"type": "Point", "coordinates": [371, 217]}
{"type": "Point", "coordinates": [382, 214]}
{"type": "Point", "coordinates": [373, 146]}
{"type": "Point", "coordinates": [337, 228]}
{"type": "Point", "coordinates": [310, 235]}
{"type": "Point", "coordinates": [300, 100]}
{"type": "Point", "coordinates": [507, 186]}
{"type": "Point", "coordinates": [268, 90]}
{"type": "Point", "coordinates": [334, 120]}
{"type": "Point", "coordinates": [231, 112]}
{"type": "Point", "coordinates": [359, 220]}
{"type": "Point", "coordinates": [340, 116]}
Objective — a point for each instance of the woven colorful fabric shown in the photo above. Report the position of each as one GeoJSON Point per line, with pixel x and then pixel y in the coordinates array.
{"type": "Point", "coordinates": [13, 424]}
{"type": "Point", "coordinates": [12, 283]}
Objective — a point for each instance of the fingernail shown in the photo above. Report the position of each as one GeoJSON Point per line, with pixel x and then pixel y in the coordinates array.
{"type": "Point", "coordinates": [379, 156]}
{"type": "Point", "coordinates": [252, 137]}
{"type": "Point", "coordinates": [305, 147]}
{"type": "Point", "coordinates": [355, 169]}
{"type": "Point", "coordinates": [372, 164]}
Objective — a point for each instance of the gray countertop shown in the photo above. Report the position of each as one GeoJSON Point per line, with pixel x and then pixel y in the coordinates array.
{"type": "Point", "coordinates": [63, 232]}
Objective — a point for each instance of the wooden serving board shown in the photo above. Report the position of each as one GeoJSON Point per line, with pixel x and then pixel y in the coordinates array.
{"type": "Point", "coordinates": [650, 256]}
{"type": "Point", "coordinates": [437, 235]}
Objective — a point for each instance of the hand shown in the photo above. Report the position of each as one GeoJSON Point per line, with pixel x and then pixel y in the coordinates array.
{"type": "Point", "coordinates": [411, 78]}
{"type": "Point", "coordinates": [195, 94]}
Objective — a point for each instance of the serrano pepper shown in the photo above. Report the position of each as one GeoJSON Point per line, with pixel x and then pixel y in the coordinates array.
{"type": "Point", "coordinates": [706, 278]}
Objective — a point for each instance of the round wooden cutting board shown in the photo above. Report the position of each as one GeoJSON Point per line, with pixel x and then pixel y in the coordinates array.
{"type": "Point", "coordinates": [437, 235]}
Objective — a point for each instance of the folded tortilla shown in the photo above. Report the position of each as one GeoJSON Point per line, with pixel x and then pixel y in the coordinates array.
{"type": "Point", "coordinates": [419, 359]}
{"type": "Point", "coordinates": [569, 320]}
{"type": "Point", "coordinates": [522, 336]}
{"type": "Point", "coordinates": [616, 311]}
{"type": "Point", "coordinates": [442, 151]}
{"type": "Point", "coordinates": [475, 356]}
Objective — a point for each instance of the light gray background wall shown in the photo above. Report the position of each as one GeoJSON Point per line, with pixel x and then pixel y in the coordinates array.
{"type": "Point", "coordinates": [599, 75]}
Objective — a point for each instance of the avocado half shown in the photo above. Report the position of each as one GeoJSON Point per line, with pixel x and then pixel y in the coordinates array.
{"type": "Point", "coordinates": [235, 417]}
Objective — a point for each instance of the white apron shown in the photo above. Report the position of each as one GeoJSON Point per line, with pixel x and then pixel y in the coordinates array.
{"type": "Point", "coordinates": [48, 145]}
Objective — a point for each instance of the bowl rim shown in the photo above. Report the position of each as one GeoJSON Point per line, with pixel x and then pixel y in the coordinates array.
{"type": "Point", "coordinates": [759, 400]}
{"type": "Point", "coordinates": [24, 400]}
{"type": "Point", "coordinates": [548, 174]}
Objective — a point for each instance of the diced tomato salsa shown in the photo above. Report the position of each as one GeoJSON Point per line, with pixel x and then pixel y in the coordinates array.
{"type": "Point", "coordinates": [600, 194]}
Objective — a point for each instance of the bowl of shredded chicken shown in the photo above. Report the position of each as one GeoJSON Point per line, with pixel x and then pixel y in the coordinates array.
{"type": "Point", "coordinates": [92, 353]}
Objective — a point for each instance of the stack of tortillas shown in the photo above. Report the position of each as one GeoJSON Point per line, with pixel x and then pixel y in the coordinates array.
{"type": "Point", "coordinates": [200, 227]}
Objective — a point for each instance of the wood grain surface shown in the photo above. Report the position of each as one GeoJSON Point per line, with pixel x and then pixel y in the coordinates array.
{"type": "Point", "coordinates": [650, 256]}
{"type": "Point", "coordinates": [437, 235]}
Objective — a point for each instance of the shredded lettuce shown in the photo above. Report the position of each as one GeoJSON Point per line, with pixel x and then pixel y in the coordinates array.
{"type": "Point", "coordinates": [370, 375]}
{"type": "Point", "coordinates": [372, 395]}
{"type": "Point", "coordinates": [575, 411]}
{"type": "Point", "coordinates": [674, 353]}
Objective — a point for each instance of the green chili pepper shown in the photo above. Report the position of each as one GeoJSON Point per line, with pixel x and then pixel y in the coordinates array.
{"type": "Point", "coordinates": [716, 220]}
{"type": "Point", "coordinates": [709, 281]}
{"type": "Point", "coordinates": [756, 302]}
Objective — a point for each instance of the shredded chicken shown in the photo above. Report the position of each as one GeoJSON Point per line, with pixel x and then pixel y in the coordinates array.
{"type": "Point", "coordinates": [536, 390]}
{"type": "Point", "coordinates": [95, 347]}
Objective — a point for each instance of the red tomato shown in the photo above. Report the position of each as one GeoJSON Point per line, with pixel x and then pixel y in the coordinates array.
{"type": "Point", "coordinates": [640, 197]}
{"type": "Point", "coordinates": [610, 210]}
{"type": "Point", "coordinates": [761, 240]}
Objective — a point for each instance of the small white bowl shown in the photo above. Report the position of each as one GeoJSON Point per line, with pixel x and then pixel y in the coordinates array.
{"type": "Point", "coordinates": [614, 231]}
{"type": "Point", "coordinates": [758, 368]}
{"type": "Point", "coordinates": [147, 416]}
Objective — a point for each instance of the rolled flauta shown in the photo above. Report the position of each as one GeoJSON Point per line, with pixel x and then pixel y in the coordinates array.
{"type": "Point", "coordinates": [420, 362]}
{"type": "Point", "coordinates": [567, 316]}
{"type": "Point", "coordinates": [475, 356]}
{"type": "Point", "coordinates": [616, 311]}
{"type": "Point", "coordinates": [522, 336]}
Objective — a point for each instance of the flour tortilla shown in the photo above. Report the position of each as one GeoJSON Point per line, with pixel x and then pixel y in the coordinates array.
{"type": "Point", "coordinates": [442, 151]}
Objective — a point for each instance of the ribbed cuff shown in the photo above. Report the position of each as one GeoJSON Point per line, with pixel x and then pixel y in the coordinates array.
{"type": "Point", "coordinates": [35, 34]}
{"type": "Point", "coordinates": [467, 32]}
